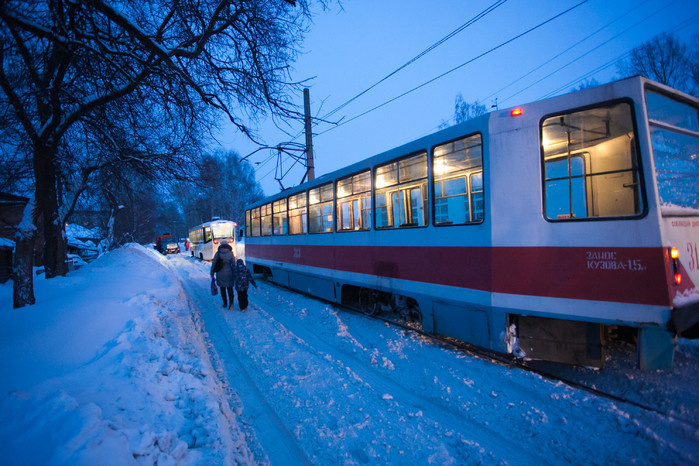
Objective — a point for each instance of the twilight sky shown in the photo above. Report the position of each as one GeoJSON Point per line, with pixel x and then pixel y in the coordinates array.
{"type": "Point", "coordinates": [349, 50]}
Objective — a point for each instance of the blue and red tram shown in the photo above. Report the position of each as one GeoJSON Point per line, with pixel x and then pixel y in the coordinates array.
{"type": "Point", "coordinates": [531, 231]}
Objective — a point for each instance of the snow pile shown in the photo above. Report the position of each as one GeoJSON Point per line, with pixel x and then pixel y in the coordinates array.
{"type": "Point", "coordinates": [110, 366]}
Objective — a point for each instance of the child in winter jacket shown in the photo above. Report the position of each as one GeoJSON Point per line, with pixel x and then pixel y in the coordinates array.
{"type": "Point", "coordinates": [243, 278]}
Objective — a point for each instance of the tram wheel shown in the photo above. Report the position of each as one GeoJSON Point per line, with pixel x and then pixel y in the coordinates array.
{"type": "Point", "coordinates": [368, 302]}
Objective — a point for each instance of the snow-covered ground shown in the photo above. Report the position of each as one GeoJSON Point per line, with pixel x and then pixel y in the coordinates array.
{"type": "Point", "coordinates": [131, 360]}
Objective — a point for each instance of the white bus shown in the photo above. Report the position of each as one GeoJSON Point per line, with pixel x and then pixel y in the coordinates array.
{"type": "Point", "coordinates": [204, 239]}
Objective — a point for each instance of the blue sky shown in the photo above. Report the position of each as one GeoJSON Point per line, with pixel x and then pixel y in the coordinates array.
{"type": "Point", "coordinates": [349, 49]}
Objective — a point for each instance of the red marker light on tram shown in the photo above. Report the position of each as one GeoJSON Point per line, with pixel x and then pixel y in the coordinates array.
{"type": "Point", "coordinates": [675, 256]}
{"type": "Point", "coordinates": [516, 112]}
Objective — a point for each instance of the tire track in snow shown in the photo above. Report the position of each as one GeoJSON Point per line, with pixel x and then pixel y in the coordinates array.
{"type": "Point", "coordinates": [442, 420]}
{"type": "Point", "coordinates": [278, 443]}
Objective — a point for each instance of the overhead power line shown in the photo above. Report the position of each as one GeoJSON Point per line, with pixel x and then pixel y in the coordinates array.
{"type": "Point", "coordinates": [687, 22]}
{"type": "Point", "coordinates": [646, 18]}
{"type": "Point", "coordinates": [453, 33]}
{"type": "Point", "coordinates": [632, 9]}
{"type": "Point", "coordinates": [459, 66]}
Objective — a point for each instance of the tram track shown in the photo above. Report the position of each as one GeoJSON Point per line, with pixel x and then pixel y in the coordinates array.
{"type": "Point", "coordinates": [505, 360]}
{"type": "Point", "coordinates": [512, 362]}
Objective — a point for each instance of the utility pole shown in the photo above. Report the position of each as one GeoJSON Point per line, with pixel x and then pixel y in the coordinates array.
{"type": "Point", "coordinates": [309, 137]}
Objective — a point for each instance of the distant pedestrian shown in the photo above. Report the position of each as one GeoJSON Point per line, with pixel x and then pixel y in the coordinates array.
{"type": "Point", "coordinates": [243, 278]}
{"type": "Point", "coordinates": [186, 245]}
{"type": "Point", "coordinates": [223, 266]}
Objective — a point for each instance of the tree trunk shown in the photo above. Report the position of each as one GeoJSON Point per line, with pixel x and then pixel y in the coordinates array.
{"type": "Point", "coordinates": [22, 272]}
{"type": "Point", "coordinates": [23, 260]}
{"type": "Point", "coordinates": [55, 247]}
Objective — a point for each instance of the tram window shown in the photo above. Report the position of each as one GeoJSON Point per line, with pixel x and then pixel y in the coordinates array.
{"type": "Point", "coordinates": [354, 202]}
{"type": "Point", "coordinates": [566, 193]}
{"type": "Point", "coordinates": [279, 218]}
{"type": "Point", "coordinates": [401, 193]}
{"type": "Point", "coordinates": [255, 222]}
{"type": "Point", "coordinates": [298, 217]}
{"type": "Point", "coordinates": [320, 209]}
{"type": "Point", "coordinates": [458, 181]}
{"type": "Point", "coordinates": [674, 135]}
{"type": "Point", "coordinates": [591, 167]}
{"type": "Point", "coordinates": [477, 196]}
{"type": "Point", "coordinates": [248, 224]}
{"type": "Point", "coordinates": [266, 220]}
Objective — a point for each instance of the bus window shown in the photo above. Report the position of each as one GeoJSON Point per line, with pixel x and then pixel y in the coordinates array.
{"type": "Point", "coordinates": [401, 193]}
{"type": "Point", "coordinates": [354, 202]}
{"type": "Point", "coordinates": [298, 216]}
{"type": "Point", "coordinates": [458, 181]}
{"type": "Point", "coordinates": [674, 128]}
{"type": "Point", "coordinates": [591, 167]}
{"type": "Point", "coordinates": [207, 234]}
{"type": "Point", "coordinates": [320, 209]}
{"type": "Point", "coordinates": [279, 218]}
{"type": "Point", "coordinates": [223, 230]}
{"type": "Point", "coordinates": [266, 220]}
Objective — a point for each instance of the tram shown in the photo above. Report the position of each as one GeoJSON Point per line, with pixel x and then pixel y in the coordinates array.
{"type": "Point", "coordinates": [539, 230]}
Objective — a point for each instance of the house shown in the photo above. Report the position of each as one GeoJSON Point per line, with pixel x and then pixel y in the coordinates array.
{"type": "Point", "coordinates": [11, 211]}
{"type": "Point", "coordinates": [83, 241]}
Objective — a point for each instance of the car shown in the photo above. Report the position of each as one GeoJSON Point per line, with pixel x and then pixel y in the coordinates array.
{"type": "Point", "coordinates": [172, 248]}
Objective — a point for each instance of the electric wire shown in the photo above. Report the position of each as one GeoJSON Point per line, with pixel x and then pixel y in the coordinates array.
{"type": "Point", "coordinates": [618, 18]}
{"type": "Point", "coordinates": [453, 33]}
{"type": "Point", "coordinates": [588, 52]}
{"type": "Point", "coordinates": [457, 67]}
{"type": "Point", "coordinates": [444, 39]}
{"type": "Point", "coordinates": [690, 21]}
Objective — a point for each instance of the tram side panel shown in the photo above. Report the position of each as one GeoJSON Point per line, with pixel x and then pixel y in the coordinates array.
{"type": "Point", "coordinates": [556, 265]}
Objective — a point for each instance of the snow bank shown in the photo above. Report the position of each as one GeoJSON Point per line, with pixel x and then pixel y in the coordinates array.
{"type": "Point", "coordinates": [109, 367]}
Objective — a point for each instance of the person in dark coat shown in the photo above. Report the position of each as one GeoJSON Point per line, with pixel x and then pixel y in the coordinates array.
{"type": "Point", "coordinates": [223, 265]}
{"type": "Point", "coordinates": [243, 278]}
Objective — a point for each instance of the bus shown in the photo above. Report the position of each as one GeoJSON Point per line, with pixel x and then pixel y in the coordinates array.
{"type": "Point", "coordinates": [540, 231]}
{"type": "Point", "coordinates": [204, 239]}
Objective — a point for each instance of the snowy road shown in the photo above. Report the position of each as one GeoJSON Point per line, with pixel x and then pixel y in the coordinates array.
{"type": "Point", "coordinates": [314, 384]}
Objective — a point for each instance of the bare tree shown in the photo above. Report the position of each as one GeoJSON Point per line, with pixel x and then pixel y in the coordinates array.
{"type": "Point", "coordinates": [67, 67]}
{"type": "Point", "coordinates": [464, 111]}
{"type": "Point", "coordinates": [226, 185]}
{"type": "Point", "coordinates": [665, 59]}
